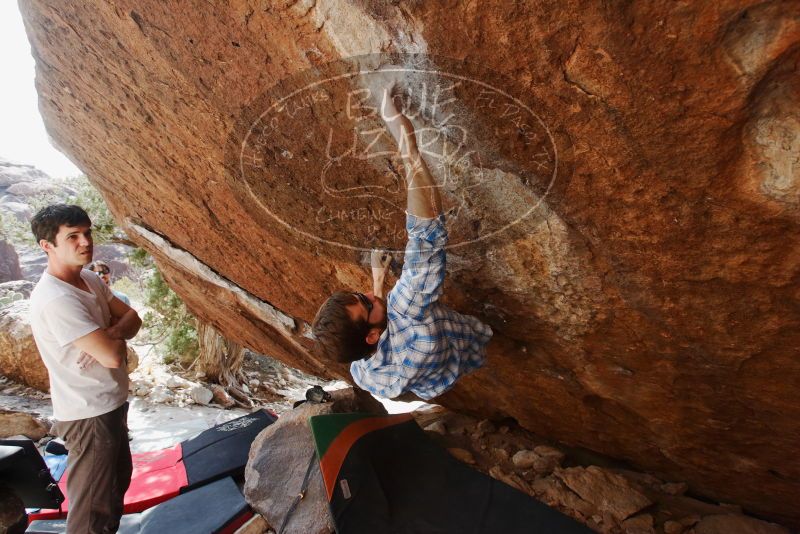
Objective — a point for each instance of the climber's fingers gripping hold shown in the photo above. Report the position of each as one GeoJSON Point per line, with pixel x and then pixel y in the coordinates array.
{"type": "Point", "coordinates": [380, 259]}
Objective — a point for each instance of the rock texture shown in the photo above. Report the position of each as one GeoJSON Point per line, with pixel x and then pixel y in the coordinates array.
{"type": "Point", "coordinates": [15, 290]}
{"type": "Point", "coordinates": [19, 182]}
{"type": "Point", "coordinates": [21, 424]}
{"type": "Point", "coordinates": [12, 173]}
{"type": "Point", "coordinates": [607, 492]}
{"type": "Point", "coordinates": [12, 512]}
{"type": "Point", "coordinates": [9, 263]}
{"type": "Point", "coordinates": [605, 497]}
{"type": "Point", "coordinates": [19, 357]}
{"type": "Point", "coordinates": [723, 524]}
{"type": "Point", "coordinates": [278, 461]}
{"type": "Point", "coordinates": [647, 307]}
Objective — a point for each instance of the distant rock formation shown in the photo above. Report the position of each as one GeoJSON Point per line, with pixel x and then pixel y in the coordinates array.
{"type": "Point", "coordinates": [9, 263]}
{"type": "Point", "coordinates": [12, 173]}
{"type": "Point", "coordinates": [18, 182]}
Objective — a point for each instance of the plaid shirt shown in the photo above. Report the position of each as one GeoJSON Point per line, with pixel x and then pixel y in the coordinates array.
{"type": "Point", "coordinates": [426, 346]}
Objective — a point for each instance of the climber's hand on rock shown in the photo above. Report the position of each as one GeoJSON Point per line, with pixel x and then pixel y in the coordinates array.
{"type": "Point", "coordinates": [380, 259]}
{"type": "Point", "coordinates": [384, 84]}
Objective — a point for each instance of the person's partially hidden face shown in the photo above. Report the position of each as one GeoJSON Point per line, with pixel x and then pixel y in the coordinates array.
{"type": "Point", "coordinates": [104, 273]}
{"type": "Point", "coordinates": [73, 246]}
{"type": "Point", "coordinates": [371, 309]}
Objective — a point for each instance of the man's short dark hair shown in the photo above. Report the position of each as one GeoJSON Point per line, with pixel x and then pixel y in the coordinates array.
{"type": "Point", "coordinates": [46, 222]}
{"type": "Point", "coordinates": [339, 337]}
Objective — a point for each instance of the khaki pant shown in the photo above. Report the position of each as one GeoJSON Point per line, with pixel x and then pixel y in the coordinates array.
{"type": "Point", "coordinates": [99, 466]}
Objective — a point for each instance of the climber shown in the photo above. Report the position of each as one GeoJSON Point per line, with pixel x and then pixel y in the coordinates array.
{"type": "Point", "coordinates": [407, 341]}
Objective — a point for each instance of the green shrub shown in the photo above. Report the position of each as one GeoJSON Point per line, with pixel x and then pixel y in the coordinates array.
{"type": "Point", "coordinates": [171, 321]}
{"type": "Point", "coordinates": [8, 297]}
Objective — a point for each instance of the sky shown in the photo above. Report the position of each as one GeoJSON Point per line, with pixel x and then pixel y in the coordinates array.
{"type": "Point", "coordinates": [23, 138]}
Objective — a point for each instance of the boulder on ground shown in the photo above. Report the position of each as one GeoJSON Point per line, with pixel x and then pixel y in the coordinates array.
{"type": "Point", "coordinates": [160, 394]}
{"type": "Point", "coordinates": [675, 488]}
{"type": "Point", "coordinates": [553, 492]}
{"type": "Point", "coordinates": [12, 512]}
{"type": "Point", "coordinates": [542, 459]}
{"type": "Point", "coordinates": [640, 524]}
{"type": "Point", "coordinates": [524, 459]}
{"type": "Point", "coordinates": [201, 395]}
{"type": "Point", "coordinates": [221, 396]}
{"type": "Point", "coordinates": [608, 492]}
{"type": "Point", "coordinates": [255, 525]}
{"type": "Point", "coordinates": [281, 455]}
{"type": "Point", "coordinates": [19, 357]}
{"type": "Point", "coordinates": [176, 382]}
{"type": "Point", "coordinates": [21, 424]}
{"type": "Point", "coordinates": [740, 524]}
{"type": "Point", "coordinates": [21, 211]}
{"type": "Point", "coordinates": [29, 189]}
{"type": "Point", "coordinates": [132, 362]}
{"type": "Point", "coordinates": [12, 172]}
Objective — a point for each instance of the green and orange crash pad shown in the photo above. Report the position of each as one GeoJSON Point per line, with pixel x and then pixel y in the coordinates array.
{"type": "Point", "coordinates": [384, 474]}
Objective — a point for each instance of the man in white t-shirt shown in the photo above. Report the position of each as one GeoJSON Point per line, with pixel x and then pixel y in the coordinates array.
{"type": "Point", "coordinates": [80, 328]}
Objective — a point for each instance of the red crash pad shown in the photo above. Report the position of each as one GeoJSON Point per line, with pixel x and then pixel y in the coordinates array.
{"type": "Point", "coordinates": [157, 476]}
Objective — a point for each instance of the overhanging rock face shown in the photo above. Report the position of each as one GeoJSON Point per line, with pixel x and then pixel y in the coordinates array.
{"type": "Point", "coordinates": [622, 185]}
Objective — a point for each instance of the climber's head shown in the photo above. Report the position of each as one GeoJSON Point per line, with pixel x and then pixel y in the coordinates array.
{"type": "Point", "coordinates": [348, 325]}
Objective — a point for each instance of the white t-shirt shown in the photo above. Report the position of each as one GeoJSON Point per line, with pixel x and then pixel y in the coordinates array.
{"type": "Point", "coordinates": [60, 314]}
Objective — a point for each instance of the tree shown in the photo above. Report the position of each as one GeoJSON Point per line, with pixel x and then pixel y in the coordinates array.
{"type": "Point", "coordinates": [169, 321]}
{"type": "Point", "coordinates": [221, 360]}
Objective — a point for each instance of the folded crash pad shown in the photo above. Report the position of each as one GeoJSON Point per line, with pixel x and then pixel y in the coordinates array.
{"type": "Point", "coordinates": [218, 452]}
{"type": "Point", "coordinates": [9, 455]}
{"type": "Point", "coordinates": [23, 470]}
{"type": "Point", "coordinates": [157, 476]}
{"type": "Point", "coordinates": [218, 507]}
{"type": "Point", "coordinates": [222, 450]}
{"type": "Point", "coordinates": [383, 474]}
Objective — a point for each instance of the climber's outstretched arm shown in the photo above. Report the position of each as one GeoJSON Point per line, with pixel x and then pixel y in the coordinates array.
{"type": "Point", "coordinates": [423, 192]}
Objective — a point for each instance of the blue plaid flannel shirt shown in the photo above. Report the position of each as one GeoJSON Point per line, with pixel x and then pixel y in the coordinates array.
{"type": "Point", "coordinates": [426, 346]}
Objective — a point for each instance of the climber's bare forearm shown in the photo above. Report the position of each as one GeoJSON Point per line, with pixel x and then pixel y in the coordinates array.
{"type": "Point", "coordinates": [379, 285]}
{"type": "Point", "coordinates": [423, 192]}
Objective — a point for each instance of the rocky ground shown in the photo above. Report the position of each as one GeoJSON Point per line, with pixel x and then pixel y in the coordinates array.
{"type": "Point", "coordinates": [169, 405]}
{"type": "Point", "coordinates": [270, 384]}
{"type": "Point", "coordinates": [601, 493]}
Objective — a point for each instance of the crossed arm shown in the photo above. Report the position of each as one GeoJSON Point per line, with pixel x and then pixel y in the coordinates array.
{"type": "Point", "coordinates": [107, 345]}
